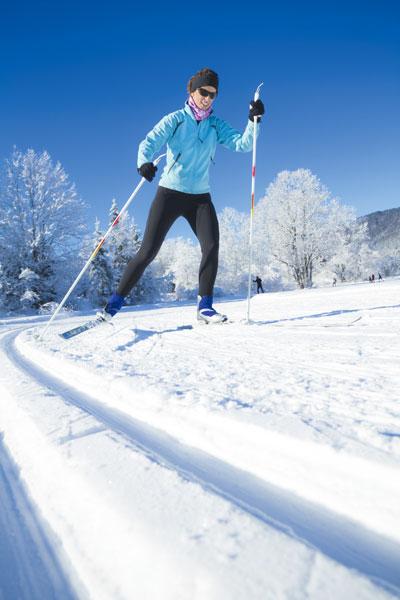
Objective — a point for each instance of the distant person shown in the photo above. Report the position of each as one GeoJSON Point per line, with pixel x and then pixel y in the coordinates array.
{"type": "Point", "coordinates": [373, 278]}
{"type": "Point", "coordinates": [380, 278]}
{"type": "Point", "coordinates": [370, 278]}
{"type": "Point", "coordinates": [258, 281]}
{"type": "Point", "coordinates": [334, 282]}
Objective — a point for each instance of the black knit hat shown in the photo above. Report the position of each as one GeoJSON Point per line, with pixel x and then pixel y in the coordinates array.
{"type": "Point", "coordinates": [202, 78]}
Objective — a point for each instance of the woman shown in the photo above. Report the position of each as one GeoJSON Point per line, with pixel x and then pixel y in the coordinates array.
{"type": "Point", "coordinates": [191, 135]}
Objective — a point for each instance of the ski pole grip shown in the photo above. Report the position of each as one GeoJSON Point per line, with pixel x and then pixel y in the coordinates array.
{"type": "Point", "coordinates": [257, 92]}
{"type": "Point", "coordinates": [157, 160]}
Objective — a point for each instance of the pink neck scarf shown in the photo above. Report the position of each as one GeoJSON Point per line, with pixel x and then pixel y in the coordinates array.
{"type": "Point", "coordinates": [199, 113]}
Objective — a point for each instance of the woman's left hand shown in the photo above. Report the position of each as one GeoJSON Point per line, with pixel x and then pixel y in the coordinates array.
{"type": "Point", "coordinates": [256, 110]}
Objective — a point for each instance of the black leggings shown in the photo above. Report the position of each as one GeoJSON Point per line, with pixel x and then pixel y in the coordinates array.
{"type": "Point", "coordinates": [167, 206]}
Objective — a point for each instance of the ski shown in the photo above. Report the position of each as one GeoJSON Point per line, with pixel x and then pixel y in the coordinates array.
{"type": "Point", "coordinates": [67, 335]}
{"type": "Point", "coordinates": [201, 322]}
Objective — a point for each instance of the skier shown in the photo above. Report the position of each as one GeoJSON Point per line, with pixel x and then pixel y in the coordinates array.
{"type": "Point", "coordinates": [258, 281]}
{"type": "Point", "coordinates": [334, 282]}
{"type": "Point", "coordinates": [191, 135]}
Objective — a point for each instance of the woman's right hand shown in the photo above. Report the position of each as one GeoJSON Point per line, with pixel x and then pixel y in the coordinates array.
{"type": "Point", "coordinates": [148, 171]}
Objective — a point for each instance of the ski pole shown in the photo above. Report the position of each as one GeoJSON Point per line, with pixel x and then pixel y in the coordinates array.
{"type": "Point", "coordinates": [96, 250]}
{"type": "Point", "coordinates": [253, 187]}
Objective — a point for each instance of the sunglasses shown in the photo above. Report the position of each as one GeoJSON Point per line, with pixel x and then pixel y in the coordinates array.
{"type": "Point", "coordinates": [206, 93]}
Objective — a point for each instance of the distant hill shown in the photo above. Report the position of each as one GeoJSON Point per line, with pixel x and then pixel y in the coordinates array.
{"type": "Point", "coordinates": [384, 227]}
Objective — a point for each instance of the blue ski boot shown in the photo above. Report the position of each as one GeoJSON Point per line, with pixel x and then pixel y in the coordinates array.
{"type": "Point", "coordinates": [114, 304]}
{"type": "Point", "coordinates": [206, 313]}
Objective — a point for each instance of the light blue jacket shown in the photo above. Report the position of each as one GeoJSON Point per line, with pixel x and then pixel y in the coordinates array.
{"type": "Point", "coordinates": [191, 147]}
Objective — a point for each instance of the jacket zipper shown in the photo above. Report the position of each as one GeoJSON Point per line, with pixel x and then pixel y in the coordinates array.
{"type": "Point", "coordinates": [174, 163]}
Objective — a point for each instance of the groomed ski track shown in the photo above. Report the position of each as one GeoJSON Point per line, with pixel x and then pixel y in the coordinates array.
{"type": "Point", "coordinates": [270, 502]}
{"type": "Point", "coordinates": [30, 567]}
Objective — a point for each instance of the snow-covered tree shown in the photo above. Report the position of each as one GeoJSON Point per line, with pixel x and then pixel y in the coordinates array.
{"type": "Point", "coordinates": [178, 262]}
{"type": "Point", "coordinates": [234, 251]}
{"type": "Point", "coordinates": [304, 225]}
{"type": "Point", "coordinates": [386, 251]}
{"type": "Point", "coordinates": [351, 242]}
{"type": "Point", "coordinates": [123, 244]}
{"type": "Point", "coordinates": [100, 275]}
{"type": "Point", "coordinates": [41, 223]}
{"type": "Point", "coordinates": [388, 262]}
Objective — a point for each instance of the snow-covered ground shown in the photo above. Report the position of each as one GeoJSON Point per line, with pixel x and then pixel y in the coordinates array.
{"type": "Point", "coordinates": [158, 459]}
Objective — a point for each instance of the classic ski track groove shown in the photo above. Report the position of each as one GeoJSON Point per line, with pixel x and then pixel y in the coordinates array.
{"type": "Point", "coordinates": [341, 539]}
{"type": "Point", "coordinates": [32, 553]}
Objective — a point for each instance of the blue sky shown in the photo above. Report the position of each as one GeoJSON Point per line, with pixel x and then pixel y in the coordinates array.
{"type": "Point", "coordinates": [86, 81]}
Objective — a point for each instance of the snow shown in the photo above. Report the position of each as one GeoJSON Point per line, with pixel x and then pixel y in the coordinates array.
{"type": "Point", "coordinates": [162, 459]}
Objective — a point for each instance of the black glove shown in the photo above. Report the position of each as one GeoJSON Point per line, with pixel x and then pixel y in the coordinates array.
{"type": "Point", "coordinates": [256, 109]}
{"type": "Point", "coordinates": [148, 171]}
